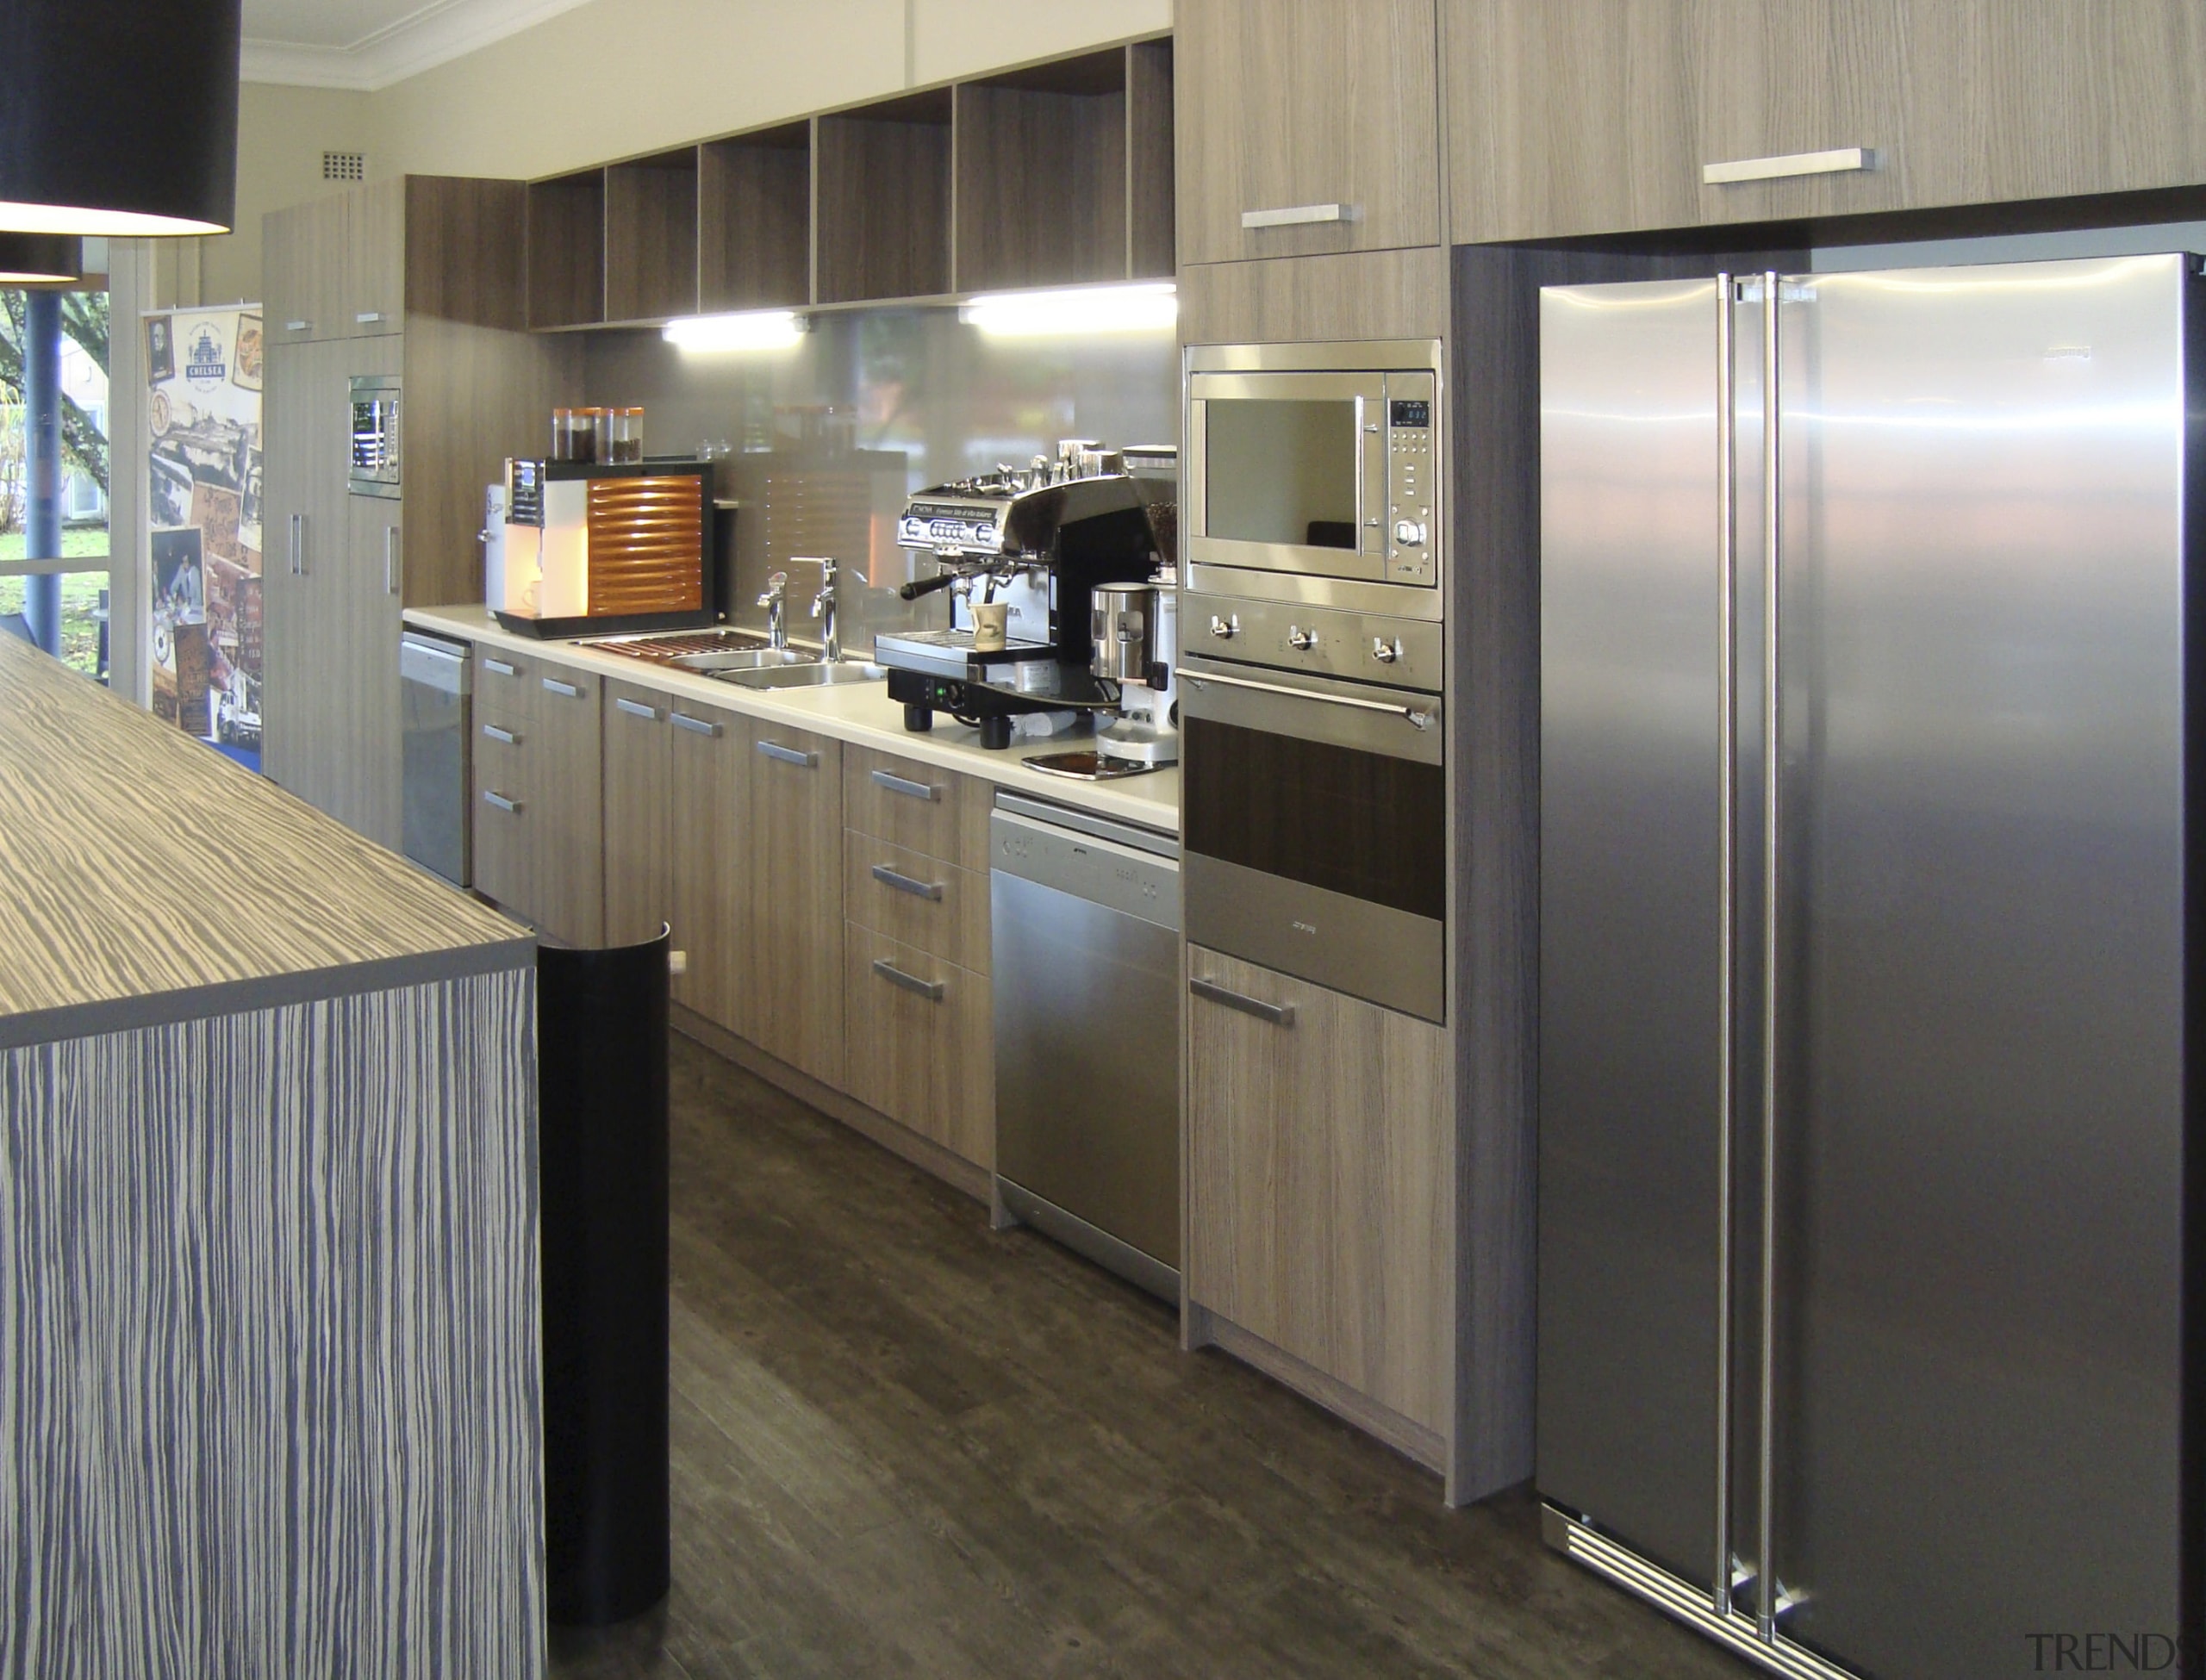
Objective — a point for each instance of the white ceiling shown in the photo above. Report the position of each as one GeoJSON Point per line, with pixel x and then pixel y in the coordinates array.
{"type": "Point", "coordinates": [369, 44]}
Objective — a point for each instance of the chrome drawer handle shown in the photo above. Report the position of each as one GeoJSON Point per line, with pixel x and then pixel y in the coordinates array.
{"type": "Point", "coordinates": [367, 318]}
{"type": "Point", "coordinates": [933, 991]}
{"type": "Point", "coordinates": [552, 685]}
{"type": "Point", "coordinates": [695, 725]}
{"type": "Point", "coordinates": [505, 736]}
{"type": "Point", "coordinates": [1279, 1015]}
{"type": "Point", "coordinates": [1844, 160]}
{"type": "Point", "coordinates": [775, 751]}
{"type": "Point", "coordinates": [498, 667]}
{"type": "Point", "coordinates": [501, 802]}
{"type": "Point", "coordinates": [297, 326]}
{"type": "Point", "coordinates": [906, 786]}
{"type": "Point", "coordinates": [635, 708]}
{"type": "Point", "coordinates": [903, 883]}
{"type": "Point", "coordinates": [1300, 215]}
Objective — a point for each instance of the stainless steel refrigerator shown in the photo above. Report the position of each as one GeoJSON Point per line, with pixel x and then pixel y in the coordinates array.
{"type": "Point", "coordinates": [1865, 1136]}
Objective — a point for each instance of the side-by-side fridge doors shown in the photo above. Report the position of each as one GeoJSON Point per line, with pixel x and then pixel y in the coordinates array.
{"type": "Point", "coordinates": [1930, 1039]}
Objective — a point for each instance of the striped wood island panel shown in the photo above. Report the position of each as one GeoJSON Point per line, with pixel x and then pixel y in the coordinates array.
{"type": "Point", "coordinates": [268, 1343]}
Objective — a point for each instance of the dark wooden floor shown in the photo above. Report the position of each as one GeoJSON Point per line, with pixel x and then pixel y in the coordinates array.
{"type": "Point", "coordinates": [904, 1445]}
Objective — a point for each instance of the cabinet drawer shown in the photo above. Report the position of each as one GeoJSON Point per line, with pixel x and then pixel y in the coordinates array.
{"type": "Point", "coordinates": [501, 810]}
{"type": "Point", "coordinates": [505, 684]}
{"type": "Point", "coordinates": [919, 1044]}
{"type": "Point", "coordinates": [917, 806]}
{"type": "Point", "coordinates": [916, 899]}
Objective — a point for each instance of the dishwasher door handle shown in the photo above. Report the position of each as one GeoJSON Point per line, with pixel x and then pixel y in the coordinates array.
{"type": "Point", "coordinates": [1279, 1015]}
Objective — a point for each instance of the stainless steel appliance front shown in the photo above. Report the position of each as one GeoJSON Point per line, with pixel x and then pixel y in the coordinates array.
{"type": "Point", "coordinates": [1314, 822]}
{"type": "Point", "coordinates": [1312, 474]}
{"type": "Point", "coordinates": [374, 435]}
{"type": "Point", "coordinates": [1086, 953]}
{"type": "Point", "coordinates": [1865, 1117]}
{"type": "Point", "coordinates": [433, 692]}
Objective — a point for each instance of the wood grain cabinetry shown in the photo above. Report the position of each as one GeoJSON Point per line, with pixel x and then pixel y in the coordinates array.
{"type": "Point", "coordinates": [566, 776]}
{"type": "Point", "coordinates": [306, 251]}
{"type": "Point", "coordinates": [1292, 106]}
{"type": "Point", "coordinates": [639, 814]}
{"type": "Point", "coordinates": [1585, 116]}
{"type": "Point", "coordinates": [920, 1036]}
{"type": "Point", "coordinates": [417, 277]}
{"type": "Point", "coordinates": [539, 794]}
{"type": "Point", "coordinates": [1318, 1212]}
{"type": "Point", "coordinates": [921, 1043]}
{"type": "Point", "coordinates": [374, 289]}
{"type": "Point", "coordinates": [708, 752]}
{"type": "Point", "coordinates": [788, 975]}
{"type": "Point", "coordinates": [500, 802]}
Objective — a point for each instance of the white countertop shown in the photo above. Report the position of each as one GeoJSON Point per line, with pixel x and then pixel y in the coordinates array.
{"type": "Point", "coordinates": [857, 712]}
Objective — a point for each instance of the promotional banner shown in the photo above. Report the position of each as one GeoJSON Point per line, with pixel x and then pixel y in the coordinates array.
{"type": "Point", "coordinates": [204, 371]}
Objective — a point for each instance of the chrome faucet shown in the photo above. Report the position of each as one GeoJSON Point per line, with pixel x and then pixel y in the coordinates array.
{"type": "Point", "coordinates": [776, 602]}
{"type": "Point", "coordinates": [823, 608]}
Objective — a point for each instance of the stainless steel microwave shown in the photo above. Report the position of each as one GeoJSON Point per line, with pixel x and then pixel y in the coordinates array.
{"type": "Point", "coordinates": [374, 438]}
{"type": "Point", "coordinates": [1313, 473]}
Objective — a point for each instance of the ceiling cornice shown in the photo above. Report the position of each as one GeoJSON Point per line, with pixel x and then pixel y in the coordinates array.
{"type": "Point", "coordinates": [438, 33]}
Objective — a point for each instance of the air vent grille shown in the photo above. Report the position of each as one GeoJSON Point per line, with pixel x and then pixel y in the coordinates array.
{"type": "Point", "coordinates": [344, 165]}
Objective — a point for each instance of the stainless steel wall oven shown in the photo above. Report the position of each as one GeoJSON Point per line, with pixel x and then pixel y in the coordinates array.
{"type": "Point", "coordinates": [1313, 746]}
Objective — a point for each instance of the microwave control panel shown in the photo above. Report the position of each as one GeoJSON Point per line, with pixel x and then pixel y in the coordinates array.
{"type": "Point", "coordinates": [1412, 539]}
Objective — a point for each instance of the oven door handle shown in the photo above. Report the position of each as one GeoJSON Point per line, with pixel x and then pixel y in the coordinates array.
{"type": "Point", "coordinates": [1419, 717]}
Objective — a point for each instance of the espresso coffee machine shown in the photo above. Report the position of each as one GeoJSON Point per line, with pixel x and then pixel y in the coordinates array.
{"type": "Point", "coordinates": [1069, 548]}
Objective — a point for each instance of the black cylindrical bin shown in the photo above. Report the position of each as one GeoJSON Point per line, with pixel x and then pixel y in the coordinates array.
{"type": "Point", "coordinates": [602, 1098]}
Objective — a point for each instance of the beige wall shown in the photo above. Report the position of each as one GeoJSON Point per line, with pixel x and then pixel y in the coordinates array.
{"type": "Point", "coordinates": [617, 77]}
{"type": "Point", "coordinates": [614, 79]}
{"type": "Point", "coordinates": [281, 133]}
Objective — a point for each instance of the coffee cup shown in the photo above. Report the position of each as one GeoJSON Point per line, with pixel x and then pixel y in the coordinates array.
{"type": "Point", "coordinates": [991, 621]}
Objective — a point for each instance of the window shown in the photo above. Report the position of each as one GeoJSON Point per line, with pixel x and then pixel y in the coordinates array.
{"type": "Point", "coordinates": [84, 565]}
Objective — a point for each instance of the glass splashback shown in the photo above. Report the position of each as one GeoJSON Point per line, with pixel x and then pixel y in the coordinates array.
{"type": "Point", "coordinates": [825, 440]}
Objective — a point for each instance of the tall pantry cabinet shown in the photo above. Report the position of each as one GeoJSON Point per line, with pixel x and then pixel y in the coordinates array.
{"type": "Point", "coordinates": [420, 276]}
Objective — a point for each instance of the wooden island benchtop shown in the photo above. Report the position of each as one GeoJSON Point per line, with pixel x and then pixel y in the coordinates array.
{"type": "Point", "coordinates": [149, 879]}
{"type": "Point", "coordinates": [268, 1271]}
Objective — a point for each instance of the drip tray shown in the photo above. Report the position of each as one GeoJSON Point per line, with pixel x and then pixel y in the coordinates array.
{"type": "Point", "coordinates": [1086, 765]}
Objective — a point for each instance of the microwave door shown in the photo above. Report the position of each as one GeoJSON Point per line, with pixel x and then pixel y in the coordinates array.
{"type": "Point", "coordinates": [1290, 473]}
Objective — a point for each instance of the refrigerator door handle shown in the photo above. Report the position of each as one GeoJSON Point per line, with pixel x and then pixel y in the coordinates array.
{"type": "Point", "coordinates": [1773, 758]}
{"type": "Point", "coordinates": [1727, 549]}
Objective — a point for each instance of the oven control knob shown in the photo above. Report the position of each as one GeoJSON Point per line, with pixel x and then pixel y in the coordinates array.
{"type": "Point", "coordinates": [1408, 533]}
{"type": "Point", "coordinates": [1225, 629]}
{"type": "Point", "coordinates": [1299, 639]}
{"type": "Point", "coordinates": [1384, 651]}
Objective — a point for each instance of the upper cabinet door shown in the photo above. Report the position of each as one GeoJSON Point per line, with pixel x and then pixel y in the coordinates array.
{"type": "Point", "coordinates": [304, 253]}
{"type": "Point", "coordinates": [375, 294]}
{"type": "Point", "coordinates": [1581, 116]}
{"type": "Point", "coordinates": [1591, 116]}
{"type": "Point", "coordinates": [1317, 120]}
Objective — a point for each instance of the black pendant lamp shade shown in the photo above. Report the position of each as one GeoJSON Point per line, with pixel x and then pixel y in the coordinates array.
{"type": "Point", "coordinates": [29, 259]}
{"type": "Point", "coordinates": [118, 116]}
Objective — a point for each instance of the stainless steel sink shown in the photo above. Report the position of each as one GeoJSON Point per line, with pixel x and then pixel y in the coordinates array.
{"type": "Point", "coordinates": [816, 674]}
{"type": "Point", "coordinates": [742, 659]}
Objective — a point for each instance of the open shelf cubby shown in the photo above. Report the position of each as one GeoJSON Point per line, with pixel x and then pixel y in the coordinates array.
{"type": "Point", "coordinates": [881, 200]}
{"type": "Point", "coordinates": [1052, 174]}
{"type": "Point", "coordinates": [566, 250]}
{"type": "Point", "coordinates": [650, 237]}
{"type": "Point", "coordinates": [754, 220]}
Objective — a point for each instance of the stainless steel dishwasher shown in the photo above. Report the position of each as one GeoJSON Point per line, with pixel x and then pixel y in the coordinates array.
{"type": "Point", "coordinates": [434, 703]}
{"type": "Point", "coordinates": [1086, 954]}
